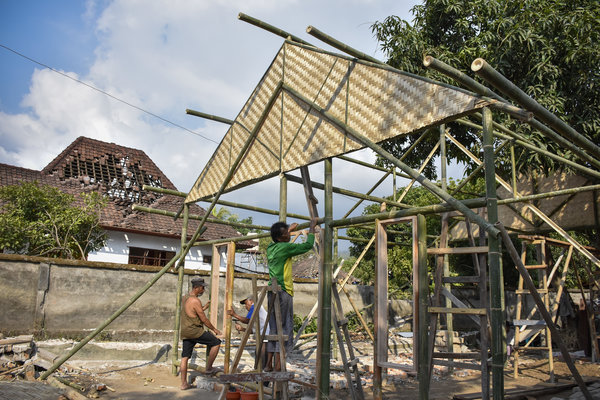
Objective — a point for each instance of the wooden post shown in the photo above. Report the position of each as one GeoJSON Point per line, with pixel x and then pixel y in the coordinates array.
{"type": "Point", "coordinates": [228, 302]}
{"type": "Point", "coordinates": [215, 274]}
{"type": "Point", "coordinates": [380, 309]}
{"type": "Point", "coordinates": [423, 294]}
{"type": "Point", "coordinates": [186, 209]}
{"type": "Point", "coordinates": [446, 266]}
{"type": "Point", "coordinates": [282, 198]}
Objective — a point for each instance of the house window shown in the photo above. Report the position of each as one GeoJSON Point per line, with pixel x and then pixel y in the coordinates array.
{"type": "Point", "coordinates": [140, 256]}
{"type": "Point", "coordinates": [207, 259]}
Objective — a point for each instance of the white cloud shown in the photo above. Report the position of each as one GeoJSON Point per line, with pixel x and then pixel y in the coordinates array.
{"type": "Point", "coordinates": [168, 56]}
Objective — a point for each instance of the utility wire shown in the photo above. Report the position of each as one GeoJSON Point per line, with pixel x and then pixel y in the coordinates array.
{"type": "Point", "coordinates": [108, 94]}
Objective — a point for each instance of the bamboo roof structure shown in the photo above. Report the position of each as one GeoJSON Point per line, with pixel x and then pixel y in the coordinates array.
{"type": "Point", "coordinates": [377, 101]}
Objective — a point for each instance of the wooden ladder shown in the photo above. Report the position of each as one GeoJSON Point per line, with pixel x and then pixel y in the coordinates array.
{"type": "Point", "coordinates": [281, 378]}
{"type": "Point", "coordinates": [536, 327]}
{"type": "Point", "coordinates": [453, 305]}
{"type": "Point", "coordinates": [349, 360]}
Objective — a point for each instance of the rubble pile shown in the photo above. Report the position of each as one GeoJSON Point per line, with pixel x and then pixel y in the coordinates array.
{"type": "Point", "coordinates": [22, 360]}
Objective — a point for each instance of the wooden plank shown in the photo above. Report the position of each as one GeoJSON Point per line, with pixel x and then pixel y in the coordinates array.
{"type": "Point", "coordinates": [380, 317]}
{"type": "Point", "coordinates": [461, 279]}
{"type": "Point", "coordinates": [526, 291]}
{"type": "Point", "coordinates": [522, 348]}
{"type": "Point", "coordinates": [536, 266]}
{"type": "Point", "coordinates": [404, 367]}
{"type": "Point", "coordinates": [311, 200]}
{"type": "Point", "coordinates": [227, 303]}
{"type": "Point", "coordinates": [529, 322]}
{"type": "Point", "coordinates": [441, 310]}
{"type": "Point", "coordinates": [257, 377]}
{"type": "Point", "coordinates": [215, 274]}
{"type": "Point", "coordinates": [275, 337]}
{"type": "Point", "coordinates": [457, 364]}
{"type": "Point", "coordinates": [524, 393]}
{"type": "Point", "coordinates": [459, 304]}
{"type": "Point", "coordinates": [16, 340]}
{"type": "Point", "coordinates": [458, 250]}
{"type": "Point", "coordinates": [445, 354]}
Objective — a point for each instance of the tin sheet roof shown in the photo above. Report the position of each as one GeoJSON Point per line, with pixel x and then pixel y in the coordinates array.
{"type": "Point", "coordinates": [375, 101]}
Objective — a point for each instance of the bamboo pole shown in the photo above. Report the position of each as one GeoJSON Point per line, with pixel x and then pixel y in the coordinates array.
{"type": "Point", "coordinates": [311, 30]}
{"type": "Point", "coordinates": [209, 116]}
{"type": "Point", "coordinates": [422, 298]}
{"type": "Point", "coordinates": [518, 139]}
{"type": "Point", "coordinates": [426, 210]}
{"type": "Point", "coordinates": [325, 281]}
{"type": "Point", "coordinates": [495, 266]}
{"type": "Point", "coordinates": [359, 202]}
{"type": "Point", "coordinates": [233, 239]}
{"type": "Point", "coordinates": [482, 90]}
{"type": "Point", "coordinates": [186, 209]}
{"type": "Point", "coordinates": [359, 54]}
{"type": "Point", "coordinates": [460, 77]}
{"type": "Point", "coordinates": [375, 167]}
{"type": "Point", "coordinates": [476, 171]}
{"type": "Point", "coordinates": [484, 70]}
{"type": "Point", "coordinates": [351, 193]}
{"type": "Point", "coordinates": [137, 207]}
{"type": "Point", "coordinates": [358, 314]}
{"type": "Point", "coordinates": [542, 309]}
{"type": "Point", "coordinates": [411, 172]}
{"type": "Point", "coordinates": [271, 28]}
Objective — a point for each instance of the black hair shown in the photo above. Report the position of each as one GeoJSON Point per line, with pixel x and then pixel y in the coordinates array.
{"type": "Point", "coordinates": [277, 230]}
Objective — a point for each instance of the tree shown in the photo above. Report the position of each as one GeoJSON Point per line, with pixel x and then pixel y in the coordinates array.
{"type": "Point", "coordinates": [224, 214]}
{"type": "Point", "coordinates": [41, 220]}
{"type": "Point", "coordinates": [400, 265]}
{"type": "Point", "coordinates": [548, 48]}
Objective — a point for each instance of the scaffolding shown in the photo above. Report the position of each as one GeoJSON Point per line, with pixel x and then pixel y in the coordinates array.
{"type": "Point", "coordinates": [315, 106]}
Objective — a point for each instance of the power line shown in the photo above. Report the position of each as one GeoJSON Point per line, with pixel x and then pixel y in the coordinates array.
{"type": "Point", "coordinates": [108, 94]}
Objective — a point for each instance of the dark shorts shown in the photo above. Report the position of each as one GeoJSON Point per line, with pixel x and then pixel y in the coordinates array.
{"type": "Point", "coordinates": [206, 338]}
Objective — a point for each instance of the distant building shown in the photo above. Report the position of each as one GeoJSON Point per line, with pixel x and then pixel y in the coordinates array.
{"type": "Point", "coordinates": [119, 173]}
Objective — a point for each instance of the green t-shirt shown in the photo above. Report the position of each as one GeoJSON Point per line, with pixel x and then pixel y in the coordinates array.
{"type": "Point", "coordinates": [279, 256]}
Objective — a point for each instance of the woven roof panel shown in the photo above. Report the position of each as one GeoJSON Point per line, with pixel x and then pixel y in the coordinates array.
{"type": "Point", "coordinates": [375, 101]}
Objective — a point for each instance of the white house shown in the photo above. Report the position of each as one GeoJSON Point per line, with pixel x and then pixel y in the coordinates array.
{"type": "Point", "coordinates": [119, 173]}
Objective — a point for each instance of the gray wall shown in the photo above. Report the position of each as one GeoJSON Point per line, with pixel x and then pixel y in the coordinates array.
{"type": "Point", "coordinates": [69, 298]}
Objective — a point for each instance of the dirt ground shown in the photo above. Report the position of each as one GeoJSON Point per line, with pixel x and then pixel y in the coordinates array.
{"type": "Point", "coordinates": [155, 381]}
{"type": "Point", "coordinates": [148, 380]}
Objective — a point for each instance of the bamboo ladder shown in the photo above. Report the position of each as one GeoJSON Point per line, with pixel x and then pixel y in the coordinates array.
{"type": "Point", "coordinates": [535, 327]}
{"type": "Point", "coordinates": [281, 378]}
{"type": "Point", "coordinates": [479, 315]}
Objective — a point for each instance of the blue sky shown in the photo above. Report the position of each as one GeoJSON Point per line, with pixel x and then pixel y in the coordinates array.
{"type": "Point", "coordinates": [164, 57]}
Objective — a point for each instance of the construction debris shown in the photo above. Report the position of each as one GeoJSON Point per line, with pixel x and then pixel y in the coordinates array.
{"type": "Point", "coordinates": [22, 361]}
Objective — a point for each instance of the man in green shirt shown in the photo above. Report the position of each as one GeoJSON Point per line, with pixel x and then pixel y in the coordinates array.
{"type": "Point", "coordinates": [279, 256]}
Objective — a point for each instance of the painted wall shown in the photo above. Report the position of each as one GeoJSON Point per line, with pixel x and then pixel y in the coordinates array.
{"type": "Point", "coordinates": [118, 243]}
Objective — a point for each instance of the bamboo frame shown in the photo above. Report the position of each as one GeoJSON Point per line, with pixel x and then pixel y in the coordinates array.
{"type": "Point", "coordinates": [411, 213]}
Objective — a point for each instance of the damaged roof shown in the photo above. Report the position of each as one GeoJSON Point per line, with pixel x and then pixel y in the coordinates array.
{"type": "Point", "coordinates": [118, 172]}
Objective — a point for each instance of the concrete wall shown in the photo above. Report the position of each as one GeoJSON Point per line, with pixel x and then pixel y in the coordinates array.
{"type": "Point", "coordinates": [70, 298]}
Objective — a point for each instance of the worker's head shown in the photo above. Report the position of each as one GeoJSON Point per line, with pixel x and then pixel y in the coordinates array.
{"type": "Point", "coordinates": [198, 286]}
{"type": "Point", "coordinates": [279, 232]}
{"type": "Point", "coordinates": [248, 302]}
